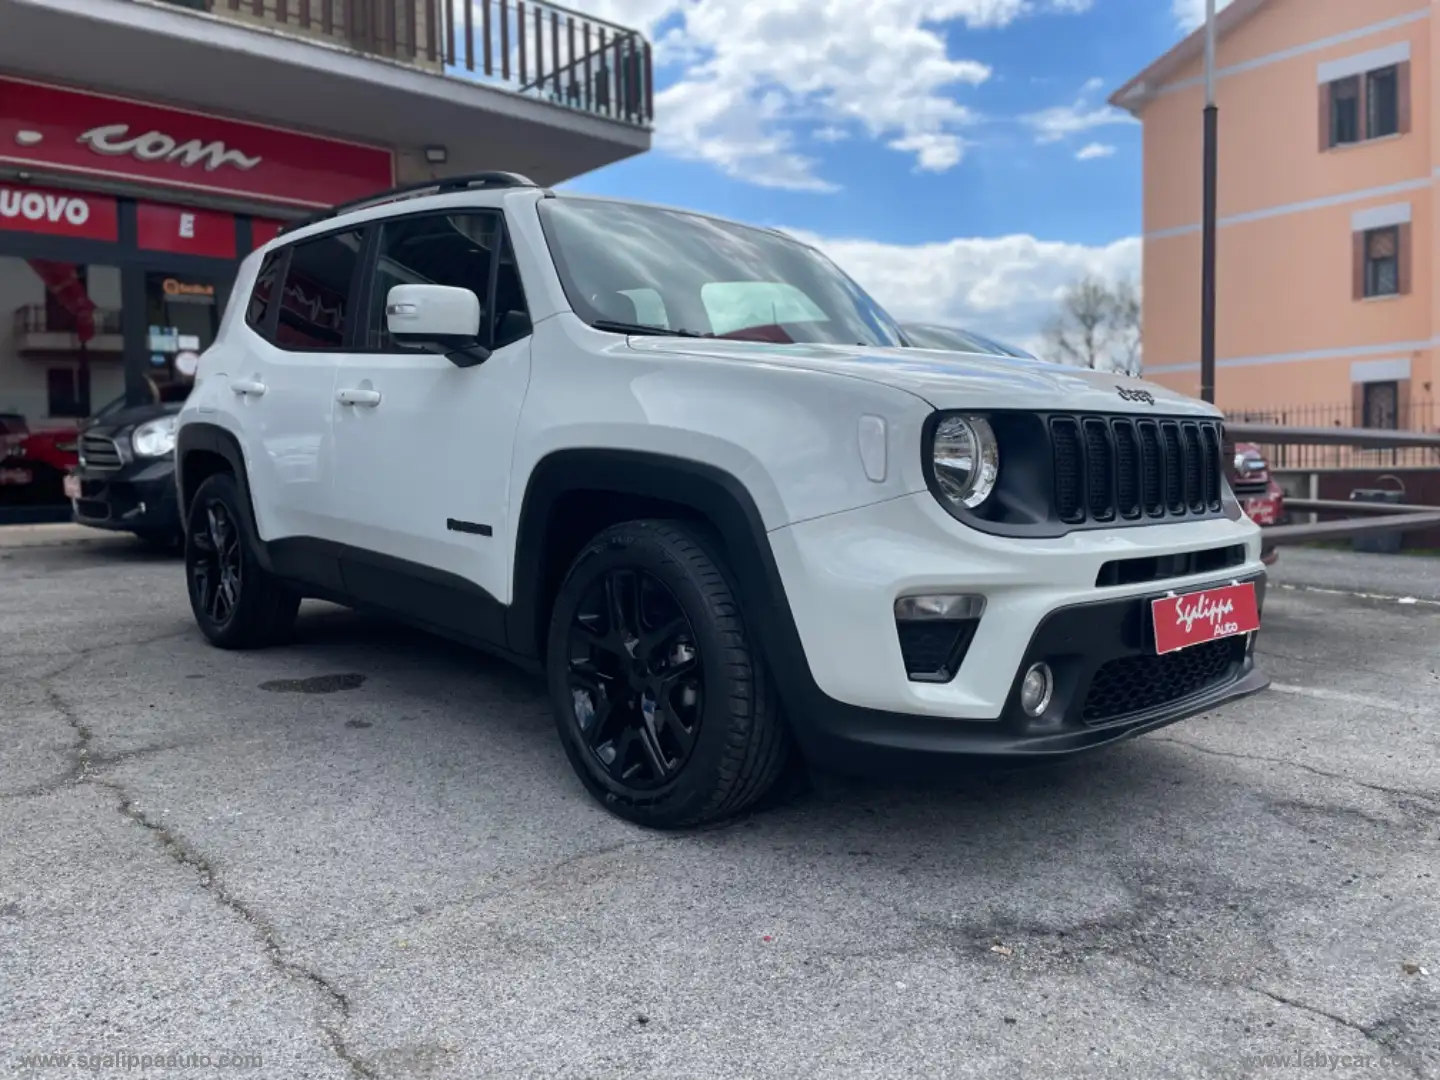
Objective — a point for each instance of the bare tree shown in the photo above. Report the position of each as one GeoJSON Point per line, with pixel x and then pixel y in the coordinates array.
{"type": "Point", "coordinates": [1097, 326]}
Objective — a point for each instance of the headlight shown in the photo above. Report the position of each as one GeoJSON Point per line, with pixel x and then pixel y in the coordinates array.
{"type": "Point", "coordinates": [966, 459]}
{"type": "Point", "coordinates": [155, 438]}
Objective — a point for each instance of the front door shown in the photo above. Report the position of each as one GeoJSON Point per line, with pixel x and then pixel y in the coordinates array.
{"type": "Point", "coordinates": [422, 447]}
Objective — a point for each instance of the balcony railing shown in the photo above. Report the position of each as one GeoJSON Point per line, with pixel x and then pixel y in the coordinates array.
{"type": "Point", "coordinates": [540, 50]}
{"type": "Point", "coordinates": [34, 319]}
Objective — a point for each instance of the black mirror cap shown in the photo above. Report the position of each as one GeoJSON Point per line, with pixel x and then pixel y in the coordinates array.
{"type": "Point", "coordinates": [460, 349]}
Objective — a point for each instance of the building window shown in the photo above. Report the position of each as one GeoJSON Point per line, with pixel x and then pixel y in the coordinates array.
{"type": "Point", "coordinates": [62, 393]}
{"type": "Point", "coordinates": [1382, 103]}
{"type": "Point", "coordinates": [1372, 105]}
{"type": "Point", "coordinates": [1381, 405]}
{"type": "Point", "coordinates": [1345, 111]}
{"type": "Point", "coordinates": [1382, 261]}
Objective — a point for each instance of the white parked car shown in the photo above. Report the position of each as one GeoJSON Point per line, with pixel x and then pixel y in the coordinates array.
{"type": "Point", "coordinates": [681, 466]}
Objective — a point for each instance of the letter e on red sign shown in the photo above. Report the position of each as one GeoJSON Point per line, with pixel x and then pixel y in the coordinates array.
{"type": "Point", "coordinates": [185, 231]}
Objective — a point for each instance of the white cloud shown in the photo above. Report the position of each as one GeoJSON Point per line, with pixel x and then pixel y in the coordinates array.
{"type": "Point", "coordinates": [1083, 114]}
{"type": "Point", "coordinates": [1190, 14]}
{"type": "Point", "coordinates": [877, 67]}
{"type": "Point", "coordinates": [830, 133]}
{"type": "Point", "coordinates": [1094, 150]}
{"type": "Point", "coordinates": [1007, 286]}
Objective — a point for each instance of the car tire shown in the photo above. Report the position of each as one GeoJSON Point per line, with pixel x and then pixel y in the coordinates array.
{"type": "Point", "coordinates": [237, 604]}
{"type": "Point", "coordinates": [672, 731]}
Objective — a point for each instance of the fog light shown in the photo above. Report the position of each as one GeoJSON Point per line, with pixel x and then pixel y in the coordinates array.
{"type": "Point", "coordinates": [1036, 689]}
{"type": "Point", "coordinates": [909, 608]}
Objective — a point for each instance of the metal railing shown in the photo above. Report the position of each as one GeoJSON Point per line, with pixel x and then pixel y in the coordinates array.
{"type": "Point", "coordinates": [540, 50]}
{"type": "Point", "coordinates": [1326, 444]}
{"type": "Point", "coordinates": [1360, 518]}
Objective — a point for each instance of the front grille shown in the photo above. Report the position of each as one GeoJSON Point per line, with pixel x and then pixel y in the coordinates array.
{"type": "Point", "coordinates": [1135, 684]}
{"type": "Point", "coordinates": [1135, 469]}
{"type": "Point", "coordinates": [98, 452]}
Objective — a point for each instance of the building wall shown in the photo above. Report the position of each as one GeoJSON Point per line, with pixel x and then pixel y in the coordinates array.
{"type": "Point", "coordinates": [1290, 330]}
{"type": "Point", "coordinates": [23, 387]}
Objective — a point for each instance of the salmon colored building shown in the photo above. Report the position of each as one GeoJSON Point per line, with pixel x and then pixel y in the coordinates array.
{"type": "Point", "coordinates": [1328, 301]}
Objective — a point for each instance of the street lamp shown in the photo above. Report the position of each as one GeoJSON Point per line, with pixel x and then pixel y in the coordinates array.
{"type": "Point", "coordinates": [1207, 225]}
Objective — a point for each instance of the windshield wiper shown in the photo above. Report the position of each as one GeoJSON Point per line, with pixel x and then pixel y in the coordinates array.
{"type": "Point", "coordinates": [616, 327]}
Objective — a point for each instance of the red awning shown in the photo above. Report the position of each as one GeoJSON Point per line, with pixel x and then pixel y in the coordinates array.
{"type": "Point", "coordinates": [63, 281]}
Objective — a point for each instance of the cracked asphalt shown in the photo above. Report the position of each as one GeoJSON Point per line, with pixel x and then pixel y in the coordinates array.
{"type": "Point", "coordinates": [364, 855]}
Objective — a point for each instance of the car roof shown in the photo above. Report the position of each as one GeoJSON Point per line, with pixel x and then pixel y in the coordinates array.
{"type": "Point", "coordinates": [379, 207]}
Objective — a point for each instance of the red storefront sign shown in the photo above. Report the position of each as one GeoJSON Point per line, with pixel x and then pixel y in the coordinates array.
{"type": "Point", "coordinates": [262, 231]}
{"type": "Point", "coordinates": [184, 231]}
{"type": "Point", "coordinates": [57, 129]}
{"type": "Point", "coordinates": [58, 213]}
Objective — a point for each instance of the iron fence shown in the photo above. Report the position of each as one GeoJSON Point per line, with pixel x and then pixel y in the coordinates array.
{"type": "Point", "coordinates": [540, 50]}
{"type": "Point", "coordinates": [1340, 452]}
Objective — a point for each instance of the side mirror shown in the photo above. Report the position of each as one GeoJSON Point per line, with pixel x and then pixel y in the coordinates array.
{"type": "Point", "coordinates": [439, 318]}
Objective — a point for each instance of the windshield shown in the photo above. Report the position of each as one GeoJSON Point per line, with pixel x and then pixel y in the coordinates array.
{"type": "Point", "coordinates": [653, 270]}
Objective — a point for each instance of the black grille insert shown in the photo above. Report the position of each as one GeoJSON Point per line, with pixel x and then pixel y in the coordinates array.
{"type": "Point", "coordinates": [1164, 567]}
{"type": "Point", "coordinates": [1109, 467]}
{"type": "Point", "coordinates": [1136, 684]}
{"type": "Point", "coordinates": [933, 649]}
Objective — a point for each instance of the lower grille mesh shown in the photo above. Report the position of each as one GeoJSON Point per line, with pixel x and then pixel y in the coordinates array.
{"type": "Point", "coordinates": [1133, 684]}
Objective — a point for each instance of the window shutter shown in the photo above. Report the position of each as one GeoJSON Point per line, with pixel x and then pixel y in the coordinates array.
{"type": "Point", "coordinates": [1358, 258]}
{"type": "Point", "coordinates": [1402, 404]}
{"type": "Point", "coordinates": [1402, 95]}
{"type": "Point", "coordinates": [1357, 404]}
{"type": "Point", "coordinates": [1325, 92]}
{"type": "Point", "coordinates": [1402, 259]}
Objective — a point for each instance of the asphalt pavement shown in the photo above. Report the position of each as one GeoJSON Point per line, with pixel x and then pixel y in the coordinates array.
{"type": "Point", "coordinates": [365, 855]}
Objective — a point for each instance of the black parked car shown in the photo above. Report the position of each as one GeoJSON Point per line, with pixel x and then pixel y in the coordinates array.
{"type": "Point", "coordinates": [125, 480]}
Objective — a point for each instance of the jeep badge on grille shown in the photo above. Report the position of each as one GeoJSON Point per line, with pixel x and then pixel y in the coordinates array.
{"type": "Point", "coordinates": [1135, 395]}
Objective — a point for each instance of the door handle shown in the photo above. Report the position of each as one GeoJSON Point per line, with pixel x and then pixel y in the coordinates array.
{"type": "Point", "coordinates": [358, 397]}
{"type": "Point", "coordinates": [248, 387]}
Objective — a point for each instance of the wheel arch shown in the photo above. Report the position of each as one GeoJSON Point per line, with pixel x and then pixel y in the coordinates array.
{"type": "Point", "coordinates": [630, 483]}
{"type": "Point", "coordinates": [201, 451]}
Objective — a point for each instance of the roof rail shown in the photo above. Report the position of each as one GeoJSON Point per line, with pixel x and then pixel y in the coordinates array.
{"type": "Point", "coordinates": [410, 191]}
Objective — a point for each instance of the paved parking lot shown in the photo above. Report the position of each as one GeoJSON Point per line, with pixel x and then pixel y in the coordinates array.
{"type": "Point", "coordinates": [365, 855]}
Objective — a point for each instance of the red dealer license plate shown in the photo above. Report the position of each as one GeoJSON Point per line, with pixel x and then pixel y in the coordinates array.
{"type": "Point", "coordinates": [1197, 617]}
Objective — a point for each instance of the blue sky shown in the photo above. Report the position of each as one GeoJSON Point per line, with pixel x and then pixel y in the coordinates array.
{"type": "Point", "coordinates": [937, 149]}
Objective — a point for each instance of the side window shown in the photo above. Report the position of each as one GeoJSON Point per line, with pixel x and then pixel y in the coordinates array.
{"type": "Point", "coordinates": [258, 310]}
{"type": "Point", "coordinates": [458, 250]}
{"type": "Point", "coordinates": [314, 305]}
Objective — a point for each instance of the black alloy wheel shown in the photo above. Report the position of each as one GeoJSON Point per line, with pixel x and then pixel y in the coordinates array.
{"type": "Point", "coordinates": [215, 565]}
{"type": "Point", "coordinates": [664, 706]}
{"type": "Point", "coordinates": [236, 602]}
{"type": "Point", "coordinates": [635, 677]}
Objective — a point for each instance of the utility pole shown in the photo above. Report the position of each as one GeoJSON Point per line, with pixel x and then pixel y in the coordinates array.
{"type": "Point", "coordinates": [1207, 225]}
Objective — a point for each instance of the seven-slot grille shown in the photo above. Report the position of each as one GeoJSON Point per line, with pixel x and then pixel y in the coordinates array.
{"type": "Point", "coordinates": [98, 452]}
{"type": "Point", "coordinates": [1125, 468]}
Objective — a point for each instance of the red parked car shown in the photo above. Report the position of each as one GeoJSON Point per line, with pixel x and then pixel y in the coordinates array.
{"type": "Point", "coordinates": [1260, 496]}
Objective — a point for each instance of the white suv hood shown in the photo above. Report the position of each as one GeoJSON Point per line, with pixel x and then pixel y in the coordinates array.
{"type": "Point", "coordinates": [950, 380]}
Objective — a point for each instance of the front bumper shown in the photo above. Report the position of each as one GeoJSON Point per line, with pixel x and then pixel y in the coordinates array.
{"type": "Point", "coordinates": [854, 708]}
{"type": "Point", "coordinates": [139, 497]}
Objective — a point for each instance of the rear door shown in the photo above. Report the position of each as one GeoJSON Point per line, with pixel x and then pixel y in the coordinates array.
{"type": "Point", "coordinates": [282, 382]}
{"type": "Point", "coordinates": [423, 454]}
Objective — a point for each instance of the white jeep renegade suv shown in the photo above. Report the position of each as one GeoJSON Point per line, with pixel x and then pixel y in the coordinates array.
{"type": "Point", "coordinates": [699, 478]}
